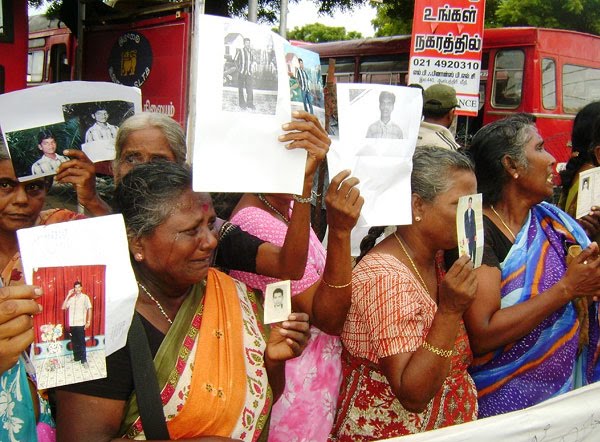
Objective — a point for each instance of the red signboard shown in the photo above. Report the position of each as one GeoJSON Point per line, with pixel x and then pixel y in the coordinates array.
{"type": "Point", "coordinates": [446, 47]}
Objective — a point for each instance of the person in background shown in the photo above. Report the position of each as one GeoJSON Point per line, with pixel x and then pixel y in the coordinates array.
{"type": "Point", "coordinates": [439, 104]}
{"type": "Point", "coordinates": [522, 326]}
{"type": "Point", "coordinates": [21, 206]}
{"type": "Point", "coordinates": [585, 145]}
{"type": "Point", "coordinates": [406, 350]}
{"type": "Point", "coordinates": [218, 368]}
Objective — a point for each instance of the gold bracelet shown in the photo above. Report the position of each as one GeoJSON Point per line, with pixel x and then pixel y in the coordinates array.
{"type": "Point", "coordinates": [438, 351]}
{"type": "Point", "coordinates": [301, 200]}
{"type": "Point", "coordinates": [336, 286]}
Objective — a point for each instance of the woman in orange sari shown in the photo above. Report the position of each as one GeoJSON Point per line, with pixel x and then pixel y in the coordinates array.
{"type": "Point", "coordinates": [218, 368]}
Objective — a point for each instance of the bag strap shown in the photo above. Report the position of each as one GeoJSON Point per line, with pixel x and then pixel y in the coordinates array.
{"type": "Point", "coordinates": [145, 382]}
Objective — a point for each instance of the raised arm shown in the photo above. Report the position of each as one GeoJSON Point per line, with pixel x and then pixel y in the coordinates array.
{"type": "Point", "coordinates": [80, 172]}
{"type": "Point", "coordinates": [289, 261]}
{"type": "Point", "coordinates": [333, 295]}
{"type": "Point", "coordinates": [491, 327]}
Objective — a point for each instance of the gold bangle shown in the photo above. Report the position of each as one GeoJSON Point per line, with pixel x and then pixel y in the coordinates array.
{"type": "Point", "coordinates": [336, 286]}
{"type": "Point", "coordinates": [438, 351]}
{"type": "Point", "coordinates": [301, 200]}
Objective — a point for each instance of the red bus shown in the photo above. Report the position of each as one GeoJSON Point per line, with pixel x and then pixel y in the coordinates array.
{"type": "Point", "coordinates": [51, 53]}
{"type": "Point", "coordinates": [546, 72]}
{"type": "Point", "coordinates": [13, 44]}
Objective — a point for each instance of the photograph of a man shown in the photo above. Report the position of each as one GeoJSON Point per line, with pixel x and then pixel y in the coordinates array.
{"type": "Point", "coordinates": [586, 184]}
{"type": "Point", "coordinates": [304, 82]}
{"type": "Point", "coordinates": [384, 127]}
{"type": "Point", "coordinates": [101, 129]}
{"type": "Point", "coordinates": [439, 105]}
{"type": "Point", "coordinates": [278, 298]}
{"type": "Point", "coordinates": [80, 316]}
{"type": "Point", "coordinates": [50, 160]}
{"type": "Point", "coordinates": [471, 229]}
{"type": "Point", "coordinates": [244, 60]}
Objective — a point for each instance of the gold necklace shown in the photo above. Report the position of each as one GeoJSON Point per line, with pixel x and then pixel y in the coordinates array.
{"type": "Point", "coordinates": [160, 307]}
{"type": "Point", "coordinates": [503, 223]}
{"type": "Point", "coordinates": [266, 202]}
{"type": "Point", "coordinates": [414, 266]}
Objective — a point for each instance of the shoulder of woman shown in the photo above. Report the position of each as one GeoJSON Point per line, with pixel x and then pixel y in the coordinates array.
{"type": "Point", "coordinates": [54, 216]}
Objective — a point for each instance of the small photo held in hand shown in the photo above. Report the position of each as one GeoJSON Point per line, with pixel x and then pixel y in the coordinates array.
{"type": "Point", "coordinates": [588, 194]}
{"type": "Point", "coordinates": [469, 227]}
{"type": "Point", "coordinates": [278, 302]}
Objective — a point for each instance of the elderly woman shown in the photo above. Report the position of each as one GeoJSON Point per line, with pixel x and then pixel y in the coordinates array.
{"type": "Point", "coordinates": [150, 136]}
{"type": "Point", "coordinates": [20, 207]}
{"type": "Point", "coordinates": [214, 360]}
{"type": "Point", "coordinates": [406, 350]}
{"type": "Point", "coordinates": [522, 324]}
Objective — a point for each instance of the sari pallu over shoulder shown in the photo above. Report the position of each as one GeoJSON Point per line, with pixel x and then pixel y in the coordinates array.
{"type": "Point", "coordinates": [543, 363]}
{"type": "Point", "coordinates": [210, 367]}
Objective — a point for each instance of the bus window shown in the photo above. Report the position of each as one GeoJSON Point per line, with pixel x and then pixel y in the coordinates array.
{"type": "Point", "coordinates": [59, 63]}
{"type": "Point", "coordinates": [581, 85]}
{"type": "Point", "coordinates": [35, 66]}
{"type": "Point", "coordinates": [344, 69]}
{"type": "Point", "coordinates": [549, 83]}
{"type": "Point", "coordinates": [389, 69]}
{"type": "Point", "coordinates": [508, 78]}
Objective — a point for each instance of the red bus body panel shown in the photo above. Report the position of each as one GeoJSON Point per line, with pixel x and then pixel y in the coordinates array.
{"type": "Point", "coordinates": [165, 88]}
{"type": "Point", "coordinates": [13, 53]}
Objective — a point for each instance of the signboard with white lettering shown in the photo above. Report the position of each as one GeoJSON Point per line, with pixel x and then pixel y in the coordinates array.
{"type": "Point", "coordinates": [446, 48]}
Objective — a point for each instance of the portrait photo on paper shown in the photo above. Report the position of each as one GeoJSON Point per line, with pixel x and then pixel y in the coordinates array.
{"type": "Point", "coordinates": [469, 227]}
{"type": "Point", "coordinates": [278, 302]}
{"type": "Point", "coordinates": [588, 192]}
{"type": "Point", "coordinates": [69, 332]}
{"type": "Point", "coordinates": [98, 123]}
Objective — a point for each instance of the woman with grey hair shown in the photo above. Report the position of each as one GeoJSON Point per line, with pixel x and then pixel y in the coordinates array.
{"type": "Point", "coordinates": [218, 368]}
{"type": "Point", "coordinates": [522, 326]}
{"type": "Point", "coordinates": [406, 350]}
{"type": "Point", "coordinates": [149, 136]}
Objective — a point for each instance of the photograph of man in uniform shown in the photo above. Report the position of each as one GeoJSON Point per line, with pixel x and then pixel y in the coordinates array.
{"type": "Point", "coordinates": [79, 309]}
{"type": "Point", "coordinates": [244, 60]}
{"type": "Point", "coordinates": [50, 160]}
{"type": "Point", "coordinates": [101, 129]}
{"type": "Point", "coordinates": [384, 127]}
{"type": "Point", "coordinates": [304, 82]}
{"type": "Point", "coordinates": [470, 229]}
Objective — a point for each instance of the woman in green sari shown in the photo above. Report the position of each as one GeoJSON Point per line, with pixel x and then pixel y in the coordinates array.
{"type": "Point", "coordinates": [218, 368]}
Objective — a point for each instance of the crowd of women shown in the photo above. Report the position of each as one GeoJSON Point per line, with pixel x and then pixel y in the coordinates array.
{"type": "Point", "coordinates": [411, 339]}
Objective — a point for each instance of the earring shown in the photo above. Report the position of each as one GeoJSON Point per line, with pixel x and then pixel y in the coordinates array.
{"type": "Point", "coordinates": [138, 257]}
{"type": "Point", "coordinates": [515, 176]}
{"type": "Point", "coordinates": [417, 218]}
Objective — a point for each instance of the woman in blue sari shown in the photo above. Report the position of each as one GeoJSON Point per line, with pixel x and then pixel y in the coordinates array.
{"type": "Point", "coordinates": [523, 326]}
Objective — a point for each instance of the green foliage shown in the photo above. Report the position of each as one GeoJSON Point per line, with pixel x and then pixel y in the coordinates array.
{"type": "Point", "coordinates": [317, 33]}
{"type": "Point", "coordinates": [394, 17]}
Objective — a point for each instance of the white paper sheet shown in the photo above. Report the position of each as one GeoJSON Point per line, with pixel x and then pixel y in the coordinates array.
{"type": "Point", "coordinates": [91, 241]}
{"type": "Point", "coordinates": [588, 194]}
{"type": "Point", "coordinates": [382, 165]}
{"type": "Point", "coordinates": [68, 110]}
{"type": "Point", "coordinates": [235, 147]}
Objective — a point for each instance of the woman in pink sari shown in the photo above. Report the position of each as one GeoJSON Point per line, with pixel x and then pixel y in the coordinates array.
{"type": "Point", "coordinates": [306, 409]}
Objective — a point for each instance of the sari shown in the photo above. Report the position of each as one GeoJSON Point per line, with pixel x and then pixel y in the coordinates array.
{"type": "Point", "coordinates": [17, 416]}
{"type": "Point", "coordinates": [544, 363]}
{"type": "Point", "coordinates": [391, 314]}
{"type": "Point", "coordinates": [210, 368]}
